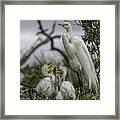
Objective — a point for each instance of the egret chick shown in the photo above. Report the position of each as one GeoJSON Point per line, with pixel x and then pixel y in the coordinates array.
{"type": "Point", "coordinates": [67, 90]}
{"type": "Point", "coordinates": [46, 85]}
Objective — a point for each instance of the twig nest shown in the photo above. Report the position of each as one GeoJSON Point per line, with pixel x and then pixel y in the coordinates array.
{"type": "Point", "coordinates": [45, 87]}
{"type": "Point", "coordinates": [67, 90]}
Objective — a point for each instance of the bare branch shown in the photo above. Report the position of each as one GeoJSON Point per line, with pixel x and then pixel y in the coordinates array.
{"type": "Point", "coordinates": [40, 25]}
{"type": "Point", "coordinates": [32, 50]}
{"type": "Point", "coordinates": [48, 38]}
{"type": "Point", "coordinates": [41, 28]}
{"type": "Point", "coordinates": [53, 28]}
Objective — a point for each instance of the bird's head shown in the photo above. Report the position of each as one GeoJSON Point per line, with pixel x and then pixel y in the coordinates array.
{"type": "Point", "coordinates": [47, 68]}
{"type": "Point", "coordinates": [66, 25]}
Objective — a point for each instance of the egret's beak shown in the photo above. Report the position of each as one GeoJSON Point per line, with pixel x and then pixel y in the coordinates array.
{"type": "Point", "coordinates": [61, 24]}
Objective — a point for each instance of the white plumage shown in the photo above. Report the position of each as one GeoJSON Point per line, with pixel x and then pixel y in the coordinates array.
{"type": "Point", "coordinates": [79, 56]}
{"type": "Point", "coordinates": [46, 73]}
{"type": "Point", "coordinates": [46, 85]}
{"type": "Point", "coordinates": [64, 69]}
{"type": "Point", "coordinates": [67, 90]}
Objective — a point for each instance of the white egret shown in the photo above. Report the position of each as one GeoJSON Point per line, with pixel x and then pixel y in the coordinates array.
{"type": "Point", "coordinates": [79, 57]}
{"type": "Point", "coordinates": [64, 74]}
{"type": "Point", "coordinates": [46, 85]}
{"type": "Point", "coordinates": [47, 71]}
{"type": "Point", "coordinates": [67, 90]}
{"type": "Point", "coordinates": [61, 73]}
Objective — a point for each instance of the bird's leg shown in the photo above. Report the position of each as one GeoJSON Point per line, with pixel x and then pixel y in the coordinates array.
{"type": "Point", "coordinates": [81, 86]}
{"type": "Point", "coordinates": [80, 94]}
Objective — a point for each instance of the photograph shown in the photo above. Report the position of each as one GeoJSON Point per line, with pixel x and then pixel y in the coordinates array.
{"type": "Point", "coordinates": [59, 59]}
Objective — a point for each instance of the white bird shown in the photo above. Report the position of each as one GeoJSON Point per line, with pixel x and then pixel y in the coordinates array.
{"type": "Point", "coordinates": [67, 91]}
{"type": "Point", "coordinates": [79, 57]}
{"type": "Point", "coordinates": [47, 71]}
{"type": "Point", "coordinates": [64, 69]}
{"type": "Point", "coordinates": [46, 85]}
{"type": "Point", "coordinates": [61, 73]}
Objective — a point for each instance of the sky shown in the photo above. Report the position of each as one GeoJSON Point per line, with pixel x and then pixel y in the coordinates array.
{"type": "Point", "coordinates": [28, 30]}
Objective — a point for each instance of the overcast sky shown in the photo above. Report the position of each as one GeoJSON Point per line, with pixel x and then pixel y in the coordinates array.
{"type": "Point", "coordinates": [28, 30]}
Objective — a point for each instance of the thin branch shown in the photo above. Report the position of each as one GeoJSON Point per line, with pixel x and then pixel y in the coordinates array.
{"type": "Point", "coordinates": [37, 58]}
{"type": "Point", "coordinates": [40, 28]}
{"type": "Point", "coordinates": [53, 28]}
{"type": "Point", "coordinates": [49, 38]}
{"type": "Point", "coordinates": [33, 49]}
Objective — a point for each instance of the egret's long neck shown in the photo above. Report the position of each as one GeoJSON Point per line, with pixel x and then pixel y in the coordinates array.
{"type": "Point", "coordinates": [66, 43]}
{"type": "Point", "coordinates": [69, 33]}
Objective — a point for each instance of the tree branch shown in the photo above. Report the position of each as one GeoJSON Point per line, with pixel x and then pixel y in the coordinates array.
{"type": "Point", "coordinates": [49, 38]}
{"type": "Point", "coordinates": [33, 49]}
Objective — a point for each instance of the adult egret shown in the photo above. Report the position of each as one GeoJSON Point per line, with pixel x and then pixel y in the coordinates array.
{"type": "Point", "coordinates": [46, 85]}
{"type": "Point", "coordinates": [79, 57]}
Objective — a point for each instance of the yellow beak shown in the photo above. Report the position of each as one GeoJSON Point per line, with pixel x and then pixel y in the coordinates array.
{"type": "Point", "coordinates": [50, 67]}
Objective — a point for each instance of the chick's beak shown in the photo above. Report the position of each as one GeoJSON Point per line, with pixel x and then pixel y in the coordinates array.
{"type": "Point", "coordinates": [50, 67]}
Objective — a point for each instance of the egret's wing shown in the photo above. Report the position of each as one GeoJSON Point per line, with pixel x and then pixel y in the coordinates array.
{"type": "Point", "coordinates": [80, 45]}
{"type": "Point", "coordinates": [89, 57]}
{"type": "Point", "coordinates": [78, 42]}
{"type": "Point", "coordinates": [94, 79]}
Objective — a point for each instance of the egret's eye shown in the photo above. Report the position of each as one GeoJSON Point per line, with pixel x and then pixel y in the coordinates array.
{"type": "Point", "coordinates": [66, 25]}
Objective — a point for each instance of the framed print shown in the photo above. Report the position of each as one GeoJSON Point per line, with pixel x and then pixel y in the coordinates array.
{"type": "Point", "coordinates": [59, 59]}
